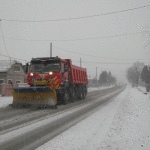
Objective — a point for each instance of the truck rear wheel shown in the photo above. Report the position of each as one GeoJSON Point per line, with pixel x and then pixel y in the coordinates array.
{"type": "Point", "coordinates": [79, 93]}
{"type": "Point", "coordinates": [73, 95]}
{"type": "Point", "coordinates": [83, 92]}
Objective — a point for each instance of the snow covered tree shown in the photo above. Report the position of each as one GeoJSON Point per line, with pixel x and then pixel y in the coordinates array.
{"type": "Point", "coordinates": [145, 74]}
{"type": "Point", "coordinates": [134, 72]}
{"type": "Point", "coordinates": [106, 78]}
{"type": "Point", "coordinates": [109, 78]}
{"type": "Point", "coordinates": [103, 78]}
{"type": "Point", "coordinates": [94, 81]}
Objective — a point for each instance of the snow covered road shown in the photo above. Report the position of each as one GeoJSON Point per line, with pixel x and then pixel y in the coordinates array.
{"type": "Point", "coordinates": [123, 124]}
{"type": "Point", "coordinates": [36, 132]}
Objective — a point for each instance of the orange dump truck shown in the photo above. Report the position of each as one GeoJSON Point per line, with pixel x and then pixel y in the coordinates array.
{"type": "Point", "coordinates": [52, 80]}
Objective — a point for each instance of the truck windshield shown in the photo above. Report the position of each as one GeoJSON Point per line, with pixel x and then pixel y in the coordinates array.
{"type": "Point", "coordinates": [45, 68]}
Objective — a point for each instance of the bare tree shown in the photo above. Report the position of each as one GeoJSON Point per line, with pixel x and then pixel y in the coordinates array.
{"type": "Point", "coordinates": [134, 72]}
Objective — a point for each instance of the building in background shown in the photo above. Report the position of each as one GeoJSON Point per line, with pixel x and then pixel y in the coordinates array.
{"type": "Point", "coordinates": [12, 72]}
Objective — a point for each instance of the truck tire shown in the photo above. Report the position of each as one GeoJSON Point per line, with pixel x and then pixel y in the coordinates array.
{"type": "Point", "coordinates": [83, 92]}
{"type": "Point", "coordinates": [79, 92]}
{"type": "Point", "coordinates": [59, 98]}
{"type": "Point", "coordinates": [54, 107]}
{"type": "Point", "coordinates": [73, 95]}
{"type": "Point", "coordinates": [65, 97]}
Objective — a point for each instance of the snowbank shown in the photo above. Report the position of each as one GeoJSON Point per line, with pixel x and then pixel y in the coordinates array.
{"type": "Point", "coordinates": [142, 89]}
{"type": "Point", "coordinates": [90, 89]}
{"type": "Point", "coordinates": [5, 101]}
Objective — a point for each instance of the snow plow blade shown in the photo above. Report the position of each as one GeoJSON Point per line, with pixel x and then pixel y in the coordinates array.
{"type": "Point", "coordinates": [40, 96]}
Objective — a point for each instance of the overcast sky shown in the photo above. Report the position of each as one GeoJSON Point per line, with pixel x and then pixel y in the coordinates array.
{"type": "Point", "coordinates": [93, 39]}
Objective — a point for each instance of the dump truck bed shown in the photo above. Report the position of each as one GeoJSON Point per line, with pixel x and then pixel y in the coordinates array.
{"type": "Point", "coordinates": [78, 75]}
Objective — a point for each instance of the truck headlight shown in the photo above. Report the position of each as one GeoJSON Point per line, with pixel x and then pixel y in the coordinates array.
{"type": "Point", "coordinates": [31, 74]}
{"type": "Point", "coordinates": [50, 73]}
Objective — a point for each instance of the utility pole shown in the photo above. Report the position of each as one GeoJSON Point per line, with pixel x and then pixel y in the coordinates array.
{"type": "Point", "coordinates": [80, 62]}
{"type": "Point", "coordinates": [50, 49]}
{"type": "Point", "coordinates": [96, 76]}
{"type": "Point", "coordinates": [0, 46]}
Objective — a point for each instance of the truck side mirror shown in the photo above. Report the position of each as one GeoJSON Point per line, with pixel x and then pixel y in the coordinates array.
{"type": "Point", "coordinates": [27, 65]}
{"type": "Point", "coordinates": [66, 69]}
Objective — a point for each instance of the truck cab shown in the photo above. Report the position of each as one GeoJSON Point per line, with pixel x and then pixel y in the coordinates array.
{"type": "Point", "coordinates": [46, 68]}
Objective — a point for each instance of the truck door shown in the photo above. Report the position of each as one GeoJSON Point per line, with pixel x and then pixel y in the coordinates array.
{"type": "Point", "coordinates": [64, 72]}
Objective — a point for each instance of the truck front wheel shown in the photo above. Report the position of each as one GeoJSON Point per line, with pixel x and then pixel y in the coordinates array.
{"type": "Point", "coordinates": [65, 97]}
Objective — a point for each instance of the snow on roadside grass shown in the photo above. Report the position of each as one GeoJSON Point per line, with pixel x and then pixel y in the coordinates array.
{"type": "Point", "coordinates": [142, 89]}
{"type": "Point", "coordinates": [122, 124]}
{"type": "Point", "coordinates": [130, 124]}
{"type": "Point", "coordinates": [5, 101]}
{"type": "Point", "coordinates": [90, 89]}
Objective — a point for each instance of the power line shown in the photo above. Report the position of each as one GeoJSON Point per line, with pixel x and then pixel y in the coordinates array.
{"type": "Point", "coordinates": [107, 63]}
{"type": "Point", "coordinates": [82, 17]}
{"type": "Point", "coordinates": [13, 57]}
{"type": "Point", "coordinates": [104, 63]}
{"type": "Point", "coordinates": [3, 39]}
{"type": "Point", "coordinates": [93, 55]}
{"type": "Point", "coordinates": [106, 69]}
{"type": "Point", "coordinates": [82, 39]}
{"type": "Point", "coordinates": [74, 61]}
{"type": "Point", "coordinates": [84, 61]}
{"type": "Point", "coordinates": [5, 45]}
